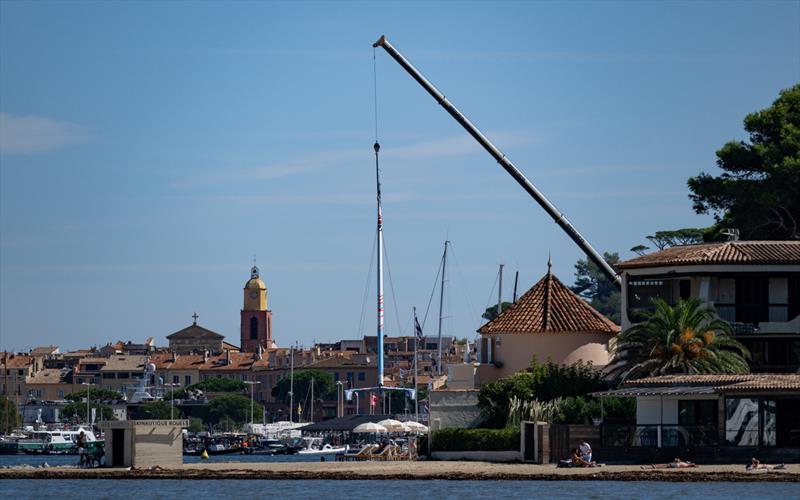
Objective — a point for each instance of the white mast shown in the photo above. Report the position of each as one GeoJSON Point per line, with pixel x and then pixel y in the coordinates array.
{"type": "Point", "coordinates": [291, 385]}
{"type": "Point", "coordinates": [377, 148]}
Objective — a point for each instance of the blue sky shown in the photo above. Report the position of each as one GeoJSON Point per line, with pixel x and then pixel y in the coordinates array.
{"type": "Point", "coordinates": [149, 150]}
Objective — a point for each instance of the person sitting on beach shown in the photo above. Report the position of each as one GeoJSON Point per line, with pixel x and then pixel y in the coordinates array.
{"type": "Point", "coordinates": [578, 461]}
{"type": "Point", "coordinates": [675, 464]}
{"type": "Point", "coordinates": [586, 451]}
{"type": "Point", "coordinates": [755, 464]}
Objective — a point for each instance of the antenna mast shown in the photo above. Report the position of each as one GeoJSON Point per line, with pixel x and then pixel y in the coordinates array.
{"type": "Point", "coordinates": [441, 305]}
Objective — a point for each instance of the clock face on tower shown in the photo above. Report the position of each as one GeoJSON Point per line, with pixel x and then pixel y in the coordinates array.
{"type": "Point", "coordinates": [253, 295]}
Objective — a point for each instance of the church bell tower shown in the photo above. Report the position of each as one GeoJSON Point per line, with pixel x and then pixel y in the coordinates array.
{"type": "Point", "coordinates": [256, 328]}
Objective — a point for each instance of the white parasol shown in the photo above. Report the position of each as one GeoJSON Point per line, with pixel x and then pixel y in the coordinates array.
{"type": "Point", "coordinates": [369, 427]}
{"type": "Point", "coordinates": [394, 425]}
{"type": "Point", "coordinates": [416, 427]}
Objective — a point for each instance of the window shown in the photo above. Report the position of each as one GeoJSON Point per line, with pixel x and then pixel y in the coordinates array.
{"type": "Point", "coordinates": [61, 393]}
{"type": "Point", "coordinates": [350, 376]}
{"type": "Point", "coordinates": [253, 328]}
{"type": "Point", "coordinates": [701, 412]}
{"type": "Point", "coordinates": [109, 375]}
{"type": "Point", "coordinates": [123, 375]}
{"type": "Point", "coordinates": [187, 380]}
{"type": "Point", "coordinates": [176, 379]}
{"type": "Point", "coordinates": [244, 377]}
{"type": "Point", "coordinates": [361, 376]}
{"type": "Point", "coordinates": [80, 380]}
{"type": "Point", "coordinates": [336, 376]}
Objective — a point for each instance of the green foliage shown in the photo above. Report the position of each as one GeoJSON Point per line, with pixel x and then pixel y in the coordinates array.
{"type": "Point", "coordinates": [640, 249]}
{"type": "Point", "coordinates": [491, 312]}
{"type": "Point", "coordinates": [676, 237]}
{"type": "Point", "coordinates": [78, 409]}
{"type": "Point", "coordinates": [156, 410]}
{"type": "Point", "coordinates": [686, 338]}
{"type": "Point", "coordinates": [543, 382]}
{"type": "Point", "coordinates": [532, 411]}
{"type": "Point", "coordinates": [476, 440]}
{"type": "Point", "coordinates": [196, 425]}
{"type": "Point", "coordinates": [324, 386]}
{"type": "Point", "coordinates": [214, 384]}
{"type": "Point", "coordinates": [593, 285]}
{"type": "Point", "coordinates": [95, 394]}
{"type": "Point", "coordinates": [10, 418]}
{"type": "Point", "coordinates": [758, 191]}
{"type": "Point", "coordinates": [233, 407]}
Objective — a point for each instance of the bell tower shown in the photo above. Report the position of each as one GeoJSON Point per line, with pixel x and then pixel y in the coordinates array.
{"type": "Point", "coordinates": [256, 326]}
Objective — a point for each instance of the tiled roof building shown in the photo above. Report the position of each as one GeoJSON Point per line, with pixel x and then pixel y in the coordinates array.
{"type": "Point", "coordinates": [728, 252]}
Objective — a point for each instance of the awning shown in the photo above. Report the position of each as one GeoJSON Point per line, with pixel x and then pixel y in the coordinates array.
{"type": "Point", "coordinates": [656, 391]}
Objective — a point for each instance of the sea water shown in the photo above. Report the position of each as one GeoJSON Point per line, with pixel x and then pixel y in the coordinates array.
{"type": "Point", "coordinates": [139, 489]}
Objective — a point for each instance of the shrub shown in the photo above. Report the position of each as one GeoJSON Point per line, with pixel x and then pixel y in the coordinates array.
{"type": "Point", "coordinates": [475, 440]}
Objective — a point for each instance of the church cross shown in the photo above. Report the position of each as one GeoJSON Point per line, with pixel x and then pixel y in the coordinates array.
{"type": "Point", "coordinates": [195, 316]}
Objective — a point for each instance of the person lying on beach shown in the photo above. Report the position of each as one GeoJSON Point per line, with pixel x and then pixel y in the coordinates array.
{"type": "Point", "coordinates": [675, 464]}
{"type": "Point", "coordinates": [755, 464]}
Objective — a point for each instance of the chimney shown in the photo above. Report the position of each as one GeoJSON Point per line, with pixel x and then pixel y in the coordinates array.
{"type": "Point", "coordinates": [227, 357]}
{"type": "Point", "coordinates": [205, 356]}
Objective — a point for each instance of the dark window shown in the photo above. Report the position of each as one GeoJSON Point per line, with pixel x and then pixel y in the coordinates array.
{"type": "Point", "coordinates": [350, 376]}
{"type": "Point", "coordinates": [336, 376]}
{"type": "Point", "coordinates": [685, 289]}
{"type": "Point", "coordinates": [176, 379]}
{"type": "Point", "coordinates": [752, 300]}
{"type": "Point", "coordinates": [109, 375]}
{"type": "Point", "coordinates": [703, 412]}
{"type": "Point", "coordinates": [123, 375]}
{"type": "Point", "coordinates": [361, 376]}
{"type": "Point", "coordinates": [253, 328]}
{"type": "Point", "coordinates": [188, 380]}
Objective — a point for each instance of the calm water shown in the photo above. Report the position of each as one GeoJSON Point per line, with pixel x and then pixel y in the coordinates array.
{"type": "Point", "coordinates": [461, 490]}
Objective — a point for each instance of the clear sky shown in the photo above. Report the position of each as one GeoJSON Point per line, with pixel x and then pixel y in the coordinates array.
{"type": "Point", "coordinates": [149, 150]}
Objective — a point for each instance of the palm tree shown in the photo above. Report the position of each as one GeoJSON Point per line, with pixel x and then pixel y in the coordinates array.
{"type": "Point", "coordinates": [685, 338]}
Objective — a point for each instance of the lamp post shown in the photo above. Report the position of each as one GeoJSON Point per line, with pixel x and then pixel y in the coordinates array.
{"type": "Point", "coordinates": [88, 385]}
{"type": "Point", "coordinates": [172, 386]}
{"type": "Point", "coordinates": [251, 383]}
{"type": "Point", "coordinates": [339, 398]}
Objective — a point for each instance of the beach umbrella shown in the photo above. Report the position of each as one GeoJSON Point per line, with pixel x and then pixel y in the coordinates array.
{"type": "Point", "coordinates": [416, 427]}
{"type": "Point", "coordinates": [369, 428]}
{"type": "Point", "coordinates": [394, 425]}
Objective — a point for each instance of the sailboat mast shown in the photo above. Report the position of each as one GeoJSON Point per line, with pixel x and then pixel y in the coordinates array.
{"type": "Point", "coordinates": [377, 148]}
{"type": "Point", "coordinates": [500, 292]}
{"type": "Point", "coordinates": [291, 384]}
{"type": "Point", "coordinates": [441, 307]}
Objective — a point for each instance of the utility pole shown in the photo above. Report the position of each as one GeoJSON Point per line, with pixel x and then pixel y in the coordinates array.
{"type": "Point", "coordinates": [516, 280]}
{"type": "Point", "coordinates": [441, 305]}
{"type": "Point", "coordinates": [291, 384]}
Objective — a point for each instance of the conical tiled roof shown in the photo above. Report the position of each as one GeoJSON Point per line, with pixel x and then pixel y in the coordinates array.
{"type": "Point", "coordinates": [550, 307]}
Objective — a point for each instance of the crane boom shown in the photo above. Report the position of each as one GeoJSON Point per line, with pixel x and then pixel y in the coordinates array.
{"type": "Point", "coordinates": [537, 195]}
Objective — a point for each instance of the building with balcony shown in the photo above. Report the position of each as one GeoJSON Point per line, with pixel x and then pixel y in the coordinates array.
{"type": "Point", "coordinates": [754, 285]}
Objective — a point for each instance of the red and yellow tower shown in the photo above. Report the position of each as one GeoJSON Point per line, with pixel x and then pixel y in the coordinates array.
{"type": "Point", "coordinates": [256, 318]}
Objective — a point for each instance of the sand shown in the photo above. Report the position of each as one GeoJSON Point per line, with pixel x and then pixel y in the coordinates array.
{"type": "Point", "coordinates": [451, 470]}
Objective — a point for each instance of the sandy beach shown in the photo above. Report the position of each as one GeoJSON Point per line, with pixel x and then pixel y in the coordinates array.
{"type": "Point", "coordinates": [410, 470]}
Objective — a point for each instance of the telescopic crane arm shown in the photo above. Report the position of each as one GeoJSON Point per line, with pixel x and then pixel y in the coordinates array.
{"type": "Point", "coordinates": [537, 195]}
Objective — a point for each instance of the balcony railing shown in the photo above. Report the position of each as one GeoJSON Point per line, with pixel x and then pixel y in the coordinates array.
{"type": "Point", "coordinates": [663, 436]}
{"type": "Point", "coordinates": [752, 314]}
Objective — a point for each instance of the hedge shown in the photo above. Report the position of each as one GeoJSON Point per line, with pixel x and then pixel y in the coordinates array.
{"type": "Point", "coordinates": [476, 440]}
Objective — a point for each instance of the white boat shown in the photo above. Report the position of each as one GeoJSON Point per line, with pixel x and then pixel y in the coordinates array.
{"type": "Point", "coordinates": [314, 446]}
{"type": "Point", "coordinates": [50, 442]}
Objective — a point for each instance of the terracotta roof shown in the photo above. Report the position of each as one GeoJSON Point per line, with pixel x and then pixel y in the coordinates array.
{"type": "Point", "coordinates": [16, 361]}
{"type": "Point", "coordinates": [728, 252]}
{"type": "Point", "coordinates": [238, 361]}
{"type": "Point", "coordinates": [549, 306]}
{"type": "Point", "coordinates": [124, 363]}
{"type": "Point", "coordinates": [48, 376]}
{"type": "Point", "coordinates": [167, 361]}
{"type": "Point", "coordinates": [337, 362]}
{"type": "Point", "coordinates": [727, 382]}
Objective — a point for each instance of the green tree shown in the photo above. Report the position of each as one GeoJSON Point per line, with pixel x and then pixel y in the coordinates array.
{"type": "Point", "coordinates": [758, 191]}
{"type": "Point", "coordinates": [214, 384]}
{"type": "Point", "coordinates": [491, 312]}
{"type": "Point", "coordinates": [157, 410]}
{"type": "Point", "coordinates": [324, 387]}
{"type": "Point", "coordinates": [594, 286]}
{"type": "Point", "coordinates": [98, 394]}
{"type": "Point", "coordinates": [196, 425]}
{"type": "Point", "coordinates": [9, 416]}
{"type": "Point", "coordinates": [232, 407]}
{"type": "Point", "coordinates": [543, 382]}
{"type": "Point", "coordinates": [675, 237]}
{"type": "Point", "coordinates": [686, 338]}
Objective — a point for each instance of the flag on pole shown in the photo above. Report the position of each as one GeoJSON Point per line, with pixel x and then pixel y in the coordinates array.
{"type": "Point", "coordinates": [417, 328]}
